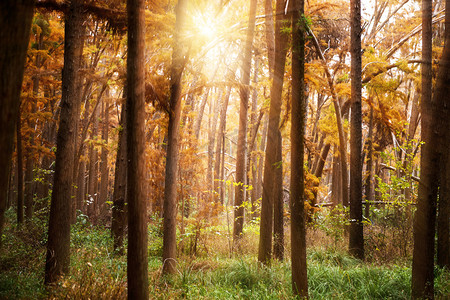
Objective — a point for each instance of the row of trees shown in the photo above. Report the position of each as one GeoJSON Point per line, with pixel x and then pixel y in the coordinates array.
{"type": "Point", "coordinates": [95, 81]}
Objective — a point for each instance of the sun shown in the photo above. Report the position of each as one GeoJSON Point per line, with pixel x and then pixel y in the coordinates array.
{"type": "Point", "coordinates": [207, 31]}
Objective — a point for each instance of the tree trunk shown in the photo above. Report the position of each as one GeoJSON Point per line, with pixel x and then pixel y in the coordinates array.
{"type": "Point", "coordinates": [260, 169]}
{"type": "Point", "coordinates": [120, 185]}
{"type": "Point", "coordinates": [198, 121]}
{"type": "Point", "coordinates": [425, 216]}
{"type": "Point", "coordinates": [368, 186]}
{"type": "Point", "coordinates": [443, 232]}
{"type": "Point", "coordinates": [170, 192]}
{"type": "Point", "coordinates": [19, 171]}
{"type": "Point", "coordinates": [270, 35]}
{"type": "Point", "coordinates": [278, 207]}
{"type": "Point", "coordinates": [242, 132]}
{"type": "Point", "coordinates": [342, 155]}
{"type": "Point", "coordinates": [298, 230]}
{"type": "Point", "coordinates": [356, 237]}
{"type": "Point", "coordinates": [271, 164]}
{"type": "Point", "coordinates": [81, 180]}
{"type": "Point", "coordinates": [219, 144]}
{"type": "Point", "coordinates": [137, 259]}
{"type": "Point", "coordinates": [58, 245]}
{"type": "Point", "coordinates": [15, 24]}
{"type": "Point", "coordinates": [104, 171]}
{"type": "Point", "coordinates": [93, 170]}
{"type": "Point", "coordinates": [443, 219]}
{"type": "Point", "coordinates": [213, 114]}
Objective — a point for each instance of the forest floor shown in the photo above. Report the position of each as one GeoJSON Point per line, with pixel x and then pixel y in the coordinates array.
{"type": "Point", "coordinates": [212, 273]}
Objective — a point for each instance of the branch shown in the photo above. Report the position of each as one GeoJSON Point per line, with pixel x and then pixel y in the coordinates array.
{"type": "Point", "coordinates": [385, 166]}
{"type": "Point", "coordinates": [415, 31]}
{"type": "Point", "coordinates": [117, 19]}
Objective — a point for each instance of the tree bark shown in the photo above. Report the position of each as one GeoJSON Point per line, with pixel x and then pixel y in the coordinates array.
{"type": "Point", "coordinates": [242, 132]}
{"type": "Point", "coordinates": [198, 121]}
{"type": "Point", "coordinates": [271, 165]}
{"type": "Point", "coordinates": [219, 144]}
{"type": "Point", "coordinates": [20, 197]}
{"type": "Point", "coordinates": [15, 24]}
{"type": "Point", "coordinates": [170, 192]}
{"type": "Point", "coordinates": [214, 113]}
{"type": "Point", "coordinates": [425, 216]}
{"type": "Point", "coordinates": [270, 35]}
{"type": "Point", "coordinates": [104, 170]}
{"type": "Point", "coordinates": [356, 237]}
{"type": "Point", "coordinates": [137, 258]}
{"type": "Point", "coordinates": [298, 230]}
{"type": "Point", "coordinates": [120, 186]}
{"type": "Point", "coordinates": [93, 170]}
{"type": "Point", "coordinates": [443, 219]}
{"type": "Point", "coordinates": [278, 207]}
{"type": "Point", "coordinates": [368, 185]}
{"type": "Point", "coordinates": [58, 245]}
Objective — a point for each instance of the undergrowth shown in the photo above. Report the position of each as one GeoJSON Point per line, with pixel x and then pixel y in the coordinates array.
{"type": "Point", "coordinates": [99, 273]}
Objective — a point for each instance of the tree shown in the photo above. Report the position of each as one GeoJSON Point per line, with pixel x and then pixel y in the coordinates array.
{"type": "Point", "coordinates": [15, 24]}
{"type": "Point", "coordinates": [356, 238]}
{"type": "Point", "coordinates": [120, 185]}
{"type": "Point", "coordinates": [271, 165]}
{"type": "Point", "coordinates": [434, 159]}
{"type": "Point", "coordinates": [137, 259]}
{"type": "Point", "coordinates": [104, 171]}
{"type": "Point", "coordinates": [170, 192]}
{"type": "Point", "coordinates": [298, 231]}
{"type": "Point", "coordinates": [58, 245]}
{"type": "Point", "coordinates": [443, 218]}
{"type": "Point", "coordinates": [20, 198]}
{"type": "Point", "coordinates": [242, 131]}
{"type": "Point", "coordinates": [425, 217]}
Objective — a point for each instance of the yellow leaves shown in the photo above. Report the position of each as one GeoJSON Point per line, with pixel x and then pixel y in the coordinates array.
{"type": "Point", "coordinates": [343, 89]}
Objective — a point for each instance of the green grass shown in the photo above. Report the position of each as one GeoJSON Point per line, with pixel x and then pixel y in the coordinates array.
{"type": "Point", "coordinates": [98, 273]}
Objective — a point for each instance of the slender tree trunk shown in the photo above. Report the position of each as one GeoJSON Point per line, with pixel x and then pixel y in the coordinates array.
{"type": "Point", "coordinates": [356, 237]}
{"type": "Point", "coordinates": [93, 174]}
{"type": "Point", "coordinates": [270, 34]}
{"type": "Point", "coordinates": [271, 164]}
{"type": "Point", "coordinates": [198, 121]}
{"type": "Point", "coordinates": [15, 24]}
{"type": "Point", "coordinates": [278, 207]}
{"type": "Point", "coordinates": [443, 232]}
{"type": "Point", "coordinates": [120, 185]}
{"type": "Point", "coordinates": [342, 154]}
{"type": "Point", "coordinates": [219, 143]}
{"type": "Point", "coordinates": [81, 181]}
{"type": "Point", "coordinates": [104, 171]}
{"type": "Point", "coordinates": [214, 114]}
{"type": "Point", "coordinates": [58, 245]}
{"type": "Point", "coordinates": [336, 182]}
{"type": "Point", "coordinates": [443, 219]}
{"type": "Point", "coordinates": [253, 132]}
{"type": "Point", "coordinates": [298, 230]}
{"type": "Point", "coordinates": [20, 197]}
{"type": "Point", "coordinates": [170, 192]}
{"type": "Point", "coordinates": [241, 144]}
{"type": "Point", "coordinates": [137, 259]}
{"type": "Point", "coordinates": [260, 169]}
{"type": "Point", "coordinates": [368, 186]}
{"type": "Point", "coordinates": [425, 216]}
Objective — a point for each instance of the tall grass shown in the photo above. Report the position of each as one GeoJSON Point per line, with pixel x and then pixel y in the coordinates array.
{"type": "Point", "coordinates": [98, 273]}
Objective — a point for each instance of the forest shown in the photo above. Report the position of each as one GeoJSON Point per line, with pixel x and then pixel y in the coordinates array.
{"type": "Point", "coordinates": [224, 149]}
